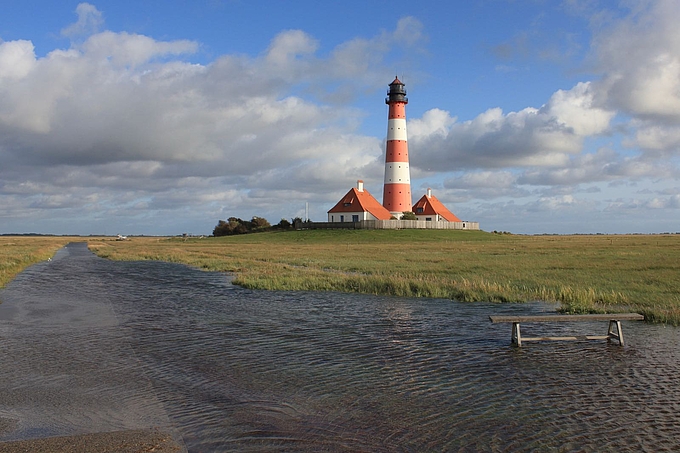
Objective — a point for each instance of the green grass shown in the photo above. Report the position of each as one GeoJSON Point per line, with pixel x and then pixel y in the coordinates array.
{"type": "Point", "coordinates": [585, 274]}
{"type": "Point", "coordinates": [19, 252]}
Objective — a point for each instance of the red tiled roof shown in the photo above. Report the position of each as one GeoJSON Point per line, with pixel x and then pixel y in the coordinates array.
{"type": "Point", "coordinates": [355, 201]}
{"type": "Point", "coordinates": [432, 206]}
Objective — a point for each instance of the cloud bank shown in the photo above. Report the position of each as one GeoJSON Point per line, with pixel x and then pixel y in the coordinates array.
{"type": "Point", "coordinates": [123, 129]}
{"type": "Point", "coordinates": [122, 123]}
{"type": "Point", "coordinates": [619, 133]}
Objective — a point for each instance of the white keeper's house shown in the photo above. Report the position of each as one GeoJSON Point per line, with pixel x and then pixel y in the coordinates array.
{"type": "Point", "coordinates": [358, 204]}
{"type": "Point", "coordinates": [431, 209]}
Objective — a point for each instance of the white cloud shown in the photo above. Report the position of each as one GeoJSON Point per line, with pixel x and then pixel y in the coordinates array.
{"type": "Point", "coordinates": [481, 185]}
{"type": "Point", "coordinates": [409, 32]}
{"type": "Point", "coordinates": [555, 203]}
{"type": "Point", "coordinates": [124, 49]}
{"type": "Point", "coordinates": [576, 109]}
{"type": "Point", "coordinates": [17, 59]}
{"type": "Point", "coordinates": [655, 137]}
{"type": "Point", "coordinates": [289, 46]}
{"type": "Point", "coordinates": [434, 122]}
{"type": "Point", "coordinates": [639, 57]}
{"type": "Point", "coordinates": [651, 206]}
{"type": "Point", "coordinates": [544, 137]}
{"type": "Point", "coordinates": [483, 180]}
{"type": "Point", "coordinates": [90, 19]}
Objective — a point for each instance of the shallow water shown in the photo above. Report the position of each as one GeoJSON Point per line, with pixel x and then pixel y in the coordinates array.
{"type": "Point", "coordinates": [92, 345]}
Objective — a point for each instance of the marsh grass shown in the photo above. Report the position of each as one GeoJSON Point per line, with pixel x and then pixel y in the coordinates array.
{"type": "Point", "coordinates": [585, 274]}
{"type": "Point", "coordinates": [19, 252]}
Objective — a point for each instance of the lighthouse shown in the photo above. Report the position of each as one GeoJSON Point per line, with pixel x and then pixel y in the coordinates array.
{"type": "Point", "coordinates": [397, 185]}
{"type": "Point", "coordinates": [358, 208]}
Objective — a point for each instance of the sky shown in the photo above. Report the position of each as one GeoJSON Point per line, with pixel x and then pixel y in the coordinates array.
{"type": "Point", "coordinates": [164, 117]}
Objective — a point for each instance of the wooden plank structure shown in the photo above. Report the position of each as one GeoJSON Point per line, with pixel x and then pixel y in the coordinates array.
{"type": "Point", "coordinates": [613, 332]}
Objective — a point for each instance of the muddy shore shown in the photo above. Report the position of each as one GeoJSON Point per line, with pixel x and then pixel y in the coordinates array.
{"type": "Point", "coordinates": [136, 441]}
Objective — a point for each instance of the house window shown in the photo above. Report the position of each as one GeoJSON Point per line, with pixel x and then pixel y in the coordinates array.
{"type": "Point", "coordinates": [419, 210]}
{"type": "Point", "coordinates": [348, 204]}
{"type": "Point", "coordinates": [429, 219]}
{"type": "Point", "coordinates": [355, 218]}
{"type": "Point", "coordinates": [342, 218]}
{"type": "Point", "coordinates": [332, 218]}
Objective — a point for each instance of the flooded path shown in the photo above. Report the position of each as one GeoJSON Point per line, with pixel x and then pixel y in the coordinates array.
{"type": "Point", "coordinates": [90, 345]}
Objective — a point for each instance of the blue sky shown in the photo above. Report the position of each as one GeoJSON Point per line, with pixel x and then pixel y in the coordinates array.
{"type": "Point", "coordinates": [162, 117]}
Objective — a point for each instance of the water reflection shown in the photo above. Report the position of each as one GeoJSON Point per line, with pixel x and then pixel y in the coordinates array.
{"type": "Point", "coordinates": [99, 346]}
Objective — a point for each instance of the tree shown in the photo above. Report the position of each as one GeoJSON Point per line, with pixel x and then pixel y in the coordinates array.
{"type": "Point", "coordinates": [408, 215]}
{"type": "Point", "coordinates": [283, 224]}
{"type": "Point", "coordinates": [259, 223]}
{"type": "Point", "coordinates": [221, 229]}
{"type": "Point", "coordinates": [234, 225]}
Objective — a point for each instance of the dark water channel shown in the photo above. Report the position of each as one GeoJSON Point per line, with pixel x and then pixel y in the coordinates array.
{"type": "Point", "coordinates": [90, 345]}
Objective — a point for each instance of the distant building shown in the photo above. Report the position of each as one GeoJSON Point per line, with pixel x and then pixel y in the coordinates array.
{"type": "Point", "coordinates": [431, 209]}
{"type": "Point", "coordinates": [358, 204]}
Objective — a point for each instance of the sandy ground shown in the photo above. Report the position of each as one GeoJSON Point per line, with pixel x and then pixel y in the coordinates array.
{"type": "Point", "coordinates": [114, 442]}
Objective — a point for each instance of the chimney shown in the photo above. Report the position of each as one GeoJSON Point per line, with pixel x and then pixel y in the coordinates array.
{"type": "Point", "coordinates": [360, 185]}
{"type": "Point", "coordinates": [429, 193]}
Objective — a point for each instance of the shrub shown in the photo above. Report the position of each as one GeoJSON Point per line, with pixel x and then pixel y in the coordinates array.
{"type": "Point", "coordinates": [234, 225]}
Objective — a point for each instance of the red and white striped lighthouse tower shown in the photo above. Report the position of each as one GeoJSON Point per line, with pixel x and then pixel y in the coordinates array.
{"type": "Point", "coordinates": [397, 186]}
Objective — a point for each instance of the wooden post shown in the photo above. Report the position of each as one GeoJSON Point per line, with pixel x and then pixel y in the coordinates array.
{"type": "Point", "coordinates": [516, 335]}
{"type": "Point", "coordinates": [615, 331]}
